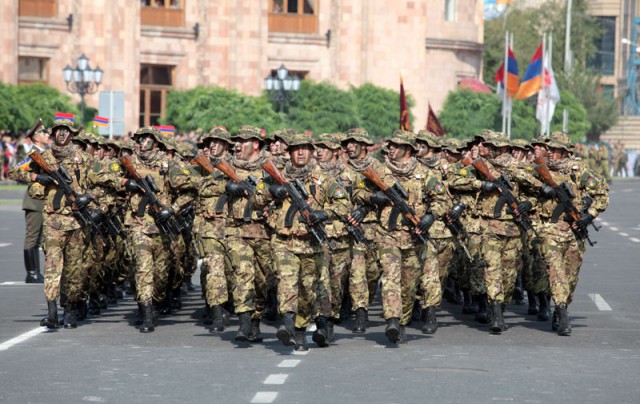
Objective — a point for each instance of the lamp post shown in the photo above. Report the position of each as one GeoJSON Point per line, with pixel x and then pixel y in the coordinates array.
{"type": "Point", "coordinates": [82, 80]}
{"type": "Point", "coordinates": [282, 87]}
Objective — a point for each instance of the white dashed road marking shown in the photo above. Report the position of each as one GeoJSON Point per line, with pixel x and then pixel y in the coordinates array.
{"type": "Point", "coordinates": [262, 397]}
{"type": "Point", "coordinates": [600, 302]}
{"type": "Point", "coordinates": [5, 244]}
{"type": "Point", "coordinates": [612, 228]}
{"type": "Point", "coordinates": [278, 378]}
{"type": "Point", "coordinates": [635, 240]}
{"type": "Point", "coordinates": [623, 234]}
{"type": "Point", "coordinates": [15, 283]}
{"type": "Point", "coordinates": [289, 363]}
{"type": "Point", "coordinates": [21, 338]}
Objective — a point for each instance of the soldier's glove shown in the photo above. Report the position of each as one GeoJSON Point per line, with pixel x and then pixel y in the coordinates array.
{"type": "Point", "coordinates": [81, 202]}
{"type": "Point", "coordinates": [488, 186]}
{"type": "Point", "coordinates": [234, 189]}
{"type": "Point", "coordinates": [379, 199]}
{"type": "Point", "coordinates": [44, 179]}
{"type": "Point", "coordinates": [316, 217]}
{"type": "Point", "coordinates": [425, 223]}
{"type": "Point", "coordinates": [359, 214]}
{"type": "Point", "coordinates": [584, 221]}
{"type": "Point", "coordinates": [131, 185]}
{"type": "Point", "coordinates": [547, 192]}
{"type": "Point", "coordinates": [163, 215]}
{"type": "Point", "coordinates": [524, 207]}
{"type": "Point", "coordinates": [279, 192]}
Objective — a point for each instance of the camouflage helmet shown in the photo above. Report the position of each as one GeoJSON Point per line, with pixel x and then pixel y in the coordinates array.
{"type": "Point", "coordinates": [285, 135]}
{"type": "Point", "coordinates": [359, 135]}
{"type": "Point", "coordinates": [247, 132]}
{"type": "Point", "coordinates": [522, 144]}
{"type": "Point", "coordinates": [185, 149]}
{"type": "Point", "coordinates": [329, 140]}
{"type": "Point", "coordinates": [218, 133]}
{"type": "Point", "coordinates": [83, 137]}
{"type": "Point", "coordinates": [560, 140]}
{"type": "Point", "coordinates": [300, 139]}
{"type": "Point", "coordinates": [496, 139]}
{"type": "Point", "coordinates": [403, 137]}
{"type": "Point", "coordinates": [542, 140]}
{"type": "Point", "coordinates": [126, 145]}
{"type": "Point", "coordinates": [452, 145]}
{"type": "Point", "coordinates": [156, 134]}
{"type": "Point", "coordinates": [428, 137]}
{"type": "Point", "coordinates": [67, 123]}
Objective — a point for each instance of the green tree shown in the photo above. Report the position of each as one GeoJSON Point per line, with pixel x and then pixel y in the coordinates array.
{"type": "Point", "coordinates": [379, 109]}
{"type": "Point", "coordinates": [466, 113]}
{"type": "Point", "coordinates": [579, 123]}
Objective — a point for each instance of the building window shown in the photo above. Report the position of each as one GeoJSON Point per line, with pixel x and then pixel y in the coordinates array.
{"type": "Point", "coordinates": [33, 70]}
{"type": "Point", "coordinates": [604, 59]}
{"type": "Point", "coordinates": [295, 16]}
{"type": "Point", "coordinates": [155, 82]}
{"type": "Point", "coordinates": [37, 8]}
{"type": "Point", "coordinates": [607, 91]}
{"type": "Point", "coordinates": [449, 10]}
{"type": "Point", "coordinates": [164, 13]}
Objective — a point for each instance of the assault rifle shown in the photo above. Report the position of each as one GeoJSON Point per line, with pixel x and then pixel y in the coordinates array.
{"type": "Point", "coordinates": [397, 195]}
{"type": "Point", "coordinates": [504, 188]}
{"type": "Point", "coordinates": [456, 227]}
{"type": "Point", "coordinates": [79, 203]}
{"type": "Point", "coordinates": [298, 196]}
{"type": "Point", "coordinates": [163, 216]}
{"type": "Point", "coordinates": [564, 196]}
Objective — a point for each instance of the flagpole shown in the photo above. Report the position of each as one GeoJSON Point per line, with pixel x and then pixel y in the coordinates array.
{"type": "Point", "coordinates": [544, 39]}
{"type": "Point", "coordinates": [505, 72]}
{"type": "Point", "coordinates": [510, 109]}
{"type": "Point", "coordinates": [546, 89]}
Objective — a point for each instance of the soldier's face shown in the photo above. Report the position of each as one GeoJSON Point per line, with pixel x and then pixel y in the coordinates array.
{"type": "Point", "coordinates": [62, 136]}
{"type": "Point", "coordinates": [399, 152]}
{"type": "Point", "coordinates": [324, 154]}
{"type": "Point", "coordinates": [451, 156]}
{"type": "Point", "coordinates": [423, 149]}
{"type": "Point", "coordinates": [41, 138]}
{"type": "Point", "coordinates": [109, 152]}
{"type": "Point", "coordinates": [555, 154]}
{"type": "Point", "coordinates": [355, 150]}
{"type": "Point", "coordinates": [486, 150]}
{"type": "Point", "coordinates": [247, 149]}
{"type": "Point", "coordinates": [147, 143]}
{"type": "Point", "coordinates": [301, 155]}
{"type": "Point", "coordinates": [539, 151]}
{"type": "Point", "coordinates": [217, 148]}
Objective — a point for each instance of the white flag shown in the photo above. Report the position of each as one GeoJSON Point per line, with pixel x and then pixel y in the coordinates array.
{"type": "Point", "coordinates": [549, 94]}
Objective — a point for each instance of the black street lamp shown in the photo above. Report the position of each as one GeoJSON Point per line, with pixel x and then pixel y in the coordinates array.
{"type": "Point", "coordinates": [282, 87]}
{"type": "Point", "coordinates": [82, 80]}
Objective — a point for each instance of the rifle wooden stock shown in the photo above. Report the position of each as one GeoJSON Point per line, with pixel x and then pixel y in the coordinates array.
{"type": "Point", "coordinates": [542, 169]}
{"type": "Point", "coordinates": [37, 158]}
{"type": "Point", "coordinates": [204, 162]}
{"type": "Point", "coordinates": [227, 170]}
{"type": "Point", "coordinates": [128, 165]}
{"type": "Point", "coordinates": [374, 177]}
{"type": "Point", "coordinates": [273, 171]}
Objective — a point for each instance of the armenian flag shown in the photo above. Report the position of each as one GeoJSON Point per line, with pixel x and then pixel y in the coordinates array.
{"type": "Point", "coordinates": [24, 165]}
{"type": "Point", "coordinates": [513, 81]}
{"type": "Point", "coordinates": [101, 121]}
{"type": "Point", "coordinates": [167, 129]}
{"type": "Point", "coordinates": [532, 80]}
{"type": "Point", "coordinates": [63, 115]}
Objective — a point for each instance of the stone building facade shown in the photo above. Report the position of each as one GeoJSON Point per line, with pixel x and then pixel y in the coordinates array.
{"type": "Point", "coordinates": [147, 47]}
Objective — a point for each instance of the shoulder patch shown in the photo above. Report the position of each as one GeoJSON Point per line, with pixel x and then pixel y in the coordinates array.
{"type": "Point", "coordinates": [463, 171]}
{"type": "Point", "coordinates": [260, 186]}
{"type": "Point", "coordinates": [114, 167]}
{"type": "Point", "coordinates": [439, 188]}
{"type": "Point", "coordinates": [185, 171]}
{"type": "Point", "coordinates": [528, 168]}
{"type": "Point", "coordinates": [339, 193]}
{"type": "Point", "coordinates": [591, 183]}
{"type": "Point", "coordinates": [361, 185]}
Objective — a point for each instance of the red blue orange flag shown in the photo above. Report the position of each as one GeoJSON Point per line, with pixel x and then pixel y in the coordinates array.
{"type": "Point", "coordinates": [166, 129]}
{"type": "Point", "coordinates": [101, 121]}
{"type": "Point", "coordinates": [513, 80]}
{"type": "Point", "coordinates": [532, 80]}
{"type": "Point", "coordinates": [63, 115]}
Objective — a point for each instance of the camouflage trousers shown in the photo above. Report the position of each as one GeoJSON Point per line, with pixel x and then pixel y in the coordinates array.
{"type": "Point", "coordinates": [216, 270]}
{"type": "Point", "coordinates": [251, 260]}
{"type": "Point", "coordinates": [534, 268]}
{"type": "Point", "coordinates": [563, 254]}
{"type": "Point", "coordinates": [65, 263]}
{"type": "Point", "coordinates": [401, 269]}
{"type": "Point", "coordinates": [333, 277]}
{"type": "Point", "coordinates": [298, 271]}
{"type": "Point", "coordinates": [364, 272]}
{"type": "Point", "coordinates": [435, 271]}
{"type": "Point", "coordinates": [501, 259]}
{"type": "Point", "coordinates": [154, 255]}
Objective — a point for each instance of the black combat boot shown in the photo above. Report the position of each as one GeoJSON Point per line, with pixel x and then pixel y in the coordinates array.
{"type": "Point", "coordinates": [139, 315]}
{"type": "Point", "coordinates": [332, 334]}
{"type": "Point", "coordinates": [286, 331]}
{"type": "Point", "coordinates": [468, 305]}
{"type": "Point", "coordinates": [533, 303]}
{"type": "Point", "coordinates": [564, 328]}
{"type": "Point", "coordinates": [176, 299]}
{"type": "Point", "coordinates": [416, 313]}
{"type": "Point", "coordinates": [518, 292]}
{"type": "Point", "coordinates": [112, 298]}
{"type": "Point", "coordinates": [543, 311]}
{"type": "Point", "coordinates": [392, 331]}
{"type": "Point", "coordinates": [402, 335]}
{"type": "Point", "coordinates": [217, 319]}
{"type": "Point", "coordinates": [70, 315]}
{"type": "Point", "coordinates": [429, 318]}
{"type": "Point", "coordinates": [147, 317]}
{"type": "Point", "coordinates": [190, 286]}
{"type": "Point", "coordinates": [102, 301]}
{"type": "Point", "coordinates": [245, 326]}
{"type": "Point", "coordinates": [51, 321]}
{"type": "Point", "coordinates": [497, 320]}
{"type": "Point", "coordinates": [321, 334]}
{"type": "Point", "coordinates": [345, 309]}
{"type": "Point", "coordinates": [32, 265]}
{"type": "Point", "coordinates": [360, 325]}
{"type": "Point", "coordinates": [81, 310]}
{"type": "Point", "coordinates": [256, 335]}
{"type": "Point", "coordinates": [554, 320]}
{"type": "Point", "coordinates": [301, 340]}
{"type": "Point", "coordinates": [207, 315]}
{"type": "Point", "coordinates": [271, 305]}
{"type": "Point", "coordinates": [94, 304]}
{"type": "Point", "coordinates": [482, 316]}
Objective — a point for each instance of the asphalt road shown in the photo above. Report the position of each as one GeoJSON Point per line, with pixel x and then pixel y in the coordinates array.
{"type": "Point", "coordinates": [107, 360]}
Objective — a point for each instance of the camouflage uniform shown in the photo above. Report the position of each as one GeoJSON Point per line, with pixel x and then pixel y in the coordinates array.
{"type": "Point", "coordinates": [562, 250]}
